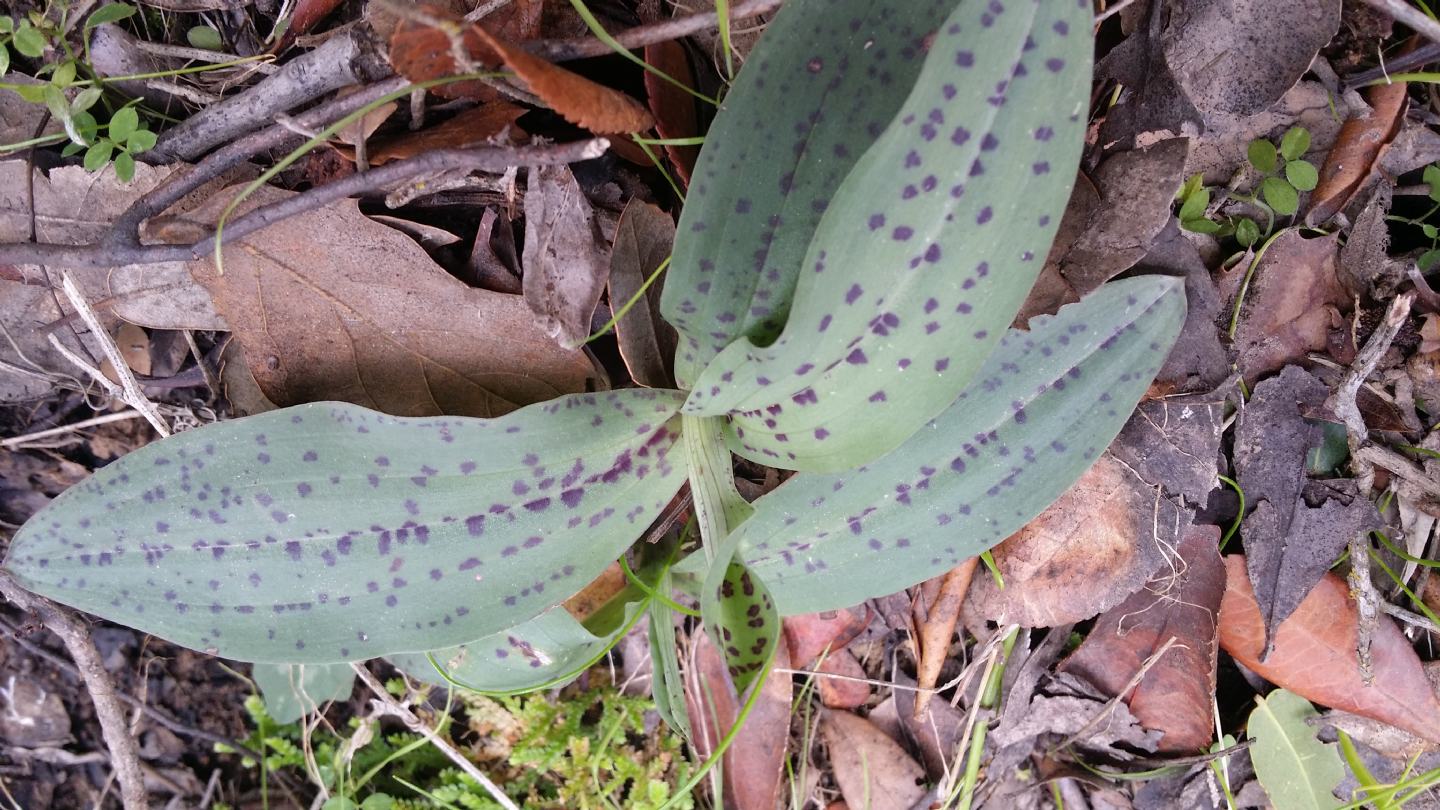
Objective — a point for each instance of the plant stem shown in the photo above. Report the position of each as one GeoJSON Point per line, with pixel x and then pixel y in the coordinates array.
{"type": "Point", "coordinates": [718, 505]}
{"type": "Point", "coordinates": [989, 700]}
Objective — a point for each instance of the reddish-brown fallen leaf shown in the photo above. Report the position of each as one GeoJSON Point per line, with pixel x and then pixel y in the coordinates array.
{"type": "Point", "coordinates": [330, 305]}
{"type": "Point", "coordinates": [1362, 140]}
{"type": "Point", "coordinates": [473, 127]}
{"type": "Point", "coordinates": [423, 52]}
{"type": "Point", "coordinates": [754, 762]}
{"type": "Point", "coordinates": [873, 770]}
{"type": "Point", "coordinates": [937, 626]}
{"type": "Point", "coordinates": [1291, 305]}
{"type": "Point", "coordinates": [1092, 548]}
{"type": "Point", "coordinates": [846, 691]}
{"type": "Point", "coordinates": [643, 237]}
{"type": "Point", "coordinates": [810, 634]}
{"type": "Point", "coordinates": [1315, 655]}
{"type": "Point", "coordinates": [1176, 694]}
{"type": "Point", "coordinates": [673, 108]}
{"type": "Point", "coordinates": [304, 17]}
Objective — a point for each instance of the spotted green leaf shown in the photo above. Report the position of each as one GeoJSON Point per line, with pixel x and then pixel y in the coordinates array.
{"type": "Point", "coordinates": [740, 614]}
{"type": "Point", "coordinates": [329, 532]}
{"type": "Point", "coordinates": [548, 650]}
{"type": "Point", "coordinates": [293, 690]}
{"type": "Point", "coordinates": [1042, 409]}
{"type": "Point", "coordinates": [815, 93]}
{"type": "Point", "coordinates": [926, 251]}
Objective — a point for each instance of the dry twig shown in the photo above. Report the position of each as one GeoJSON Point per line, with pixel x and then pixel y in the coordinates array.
{"type": "Point", "coordinates": [123, 755]}
{"type": "Point", "coordinates": [393, 707]}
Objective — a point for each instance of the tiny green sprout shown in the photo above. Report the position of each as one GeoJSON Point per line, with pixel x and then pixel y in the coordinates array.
{"type": "Point", "coordinates": [1262, 155]}
{"type": "Point", "coordinates": [1294, 143]}
{"type": "Point", "coordinates": [204, 37]}
{"type": "Point", "coordinates": [1280, 195]}
{"type": "Point", "coordinates": [1432, 179]}
{"type": "Point", "coordinates": [1247, 233]}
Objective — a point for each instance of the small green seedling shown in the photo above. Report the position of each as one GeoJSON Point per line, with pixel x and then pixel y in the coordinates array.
{"type": "Point", "coordinates": [1431, 256]}
{"type": "Point", "coordinates": [871, 208]}
{"type": "Point", "coordinates": [1283, 174]}
{"type": "Point", "coordinates": [71, 91]}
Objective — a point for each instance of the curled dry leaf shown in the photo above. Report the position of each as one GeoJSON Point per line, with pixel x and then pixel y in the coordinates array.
{"type": "Point", "coordinates": [332, 306]}
{"type": "Point", "coordinates": [673, 108]}
{"type": "Point", "coordinates": [1314, 654]}
{"type": "Point", "coordinates": [938, 626]}
{"type": "Point", "coordinates": [1175, 695]}
{"type": "Point", "coordinates": [1362, 140]}
{"type": "Point", "coordinates": [422, 52]}
{"type": "Point", "coordinates": [1092, 548]}
{"type": "Point", "coordinates": [564, 269]}
{"type": "Point", "coordinates": [643, 237]}
{"type": "Point", "coordinates": [755, 760]}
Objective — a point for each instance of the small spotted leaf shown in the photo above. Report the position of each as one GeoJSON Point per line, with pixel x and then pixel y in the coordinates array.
{"type": "Point", "coordinates": [791, 128]}
{"type": "Point", "coordinates": [546, 651]}
{"type": "Point", "coordinates": [740, 615]}
{"type": "Point", "coordinates": [926, 251]}
{"type": "Point", "coordinates": [1043, 408]}
{"type": "Point", "coordinates": [328, 532]}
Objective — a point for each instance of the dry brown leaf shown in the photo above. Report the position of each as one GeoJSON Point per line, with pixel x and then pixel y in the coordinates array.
{"type": "Point", "coordinates": [565, 271]}
{"type": "Point", "coordinates": [598, 593]}
{"type": "Point", "coordinates": [421, 53]}
{"type": "Point", "coordinates": [872, 770]}
{"type": "Point", "coordinates": [134, 345]}
{"type": "Point", "coordinates": [1362, 140]}
{"type": "Point", "coordinates": [1092, 548]}
{"type": "Point", "coordinates": [1315, 654]}
{"type": "Point", "coordinates": [1292, 304]}
{"type": "Point", "coordinates": [330, 305]}
{"type": "Point", "coordinates": [643, 238]}
{"type": "Point", "coordinates": [1177, 693]}
{"type": "Point", "coordinates": [755, 761]}
{"type": "Point", "coordinates": [673, 108]}
{"type": "Point", "coordinates": [848, 690]}
{"type": "Point", "coordinates": [810, 634]}
{"type": "Point", "coordinates": [473, 127]}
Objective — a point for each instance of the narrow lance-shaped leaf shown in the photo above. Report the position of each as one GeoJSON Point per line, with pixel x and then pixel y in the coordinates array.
{"type": "Point", "coordinates": [329, 532]}
{"type": "Point", "coordinates": [1043, 408]}
{"type": "Point", "coordinates": [790, 129]}
{"type": "Point", "coordinates": [926, 251]}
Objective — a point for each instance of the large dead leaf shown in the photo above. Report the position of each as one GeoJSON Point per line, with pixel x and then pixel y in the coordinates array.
{"type": "Point", "coordinates": [1292, 304]}
{"type": "Point", "coordinates": [422, 52]}
{"type": "Point", "coordinates": [1175, 443]}
{"type": "Point", "coordinates": [873, 771]}
{"type": "Point", "coordinates": [810, 634]}
{"type": "Point", "coordinates": [1314, 654]}
{"type": "Point", "coordinates": [565, 270]}
{"type": "Point", "coordinates": [755, 760]}
{"type": "Point", "coordinates": [1240, 56]}
{"type": "Point", "coordinates": [72, 207]}
{"type": "Point", "coordinates": [1197, 362]}
{"type": "Point", "coordinates": [330, 305]}
{"type": "Point", "coordinates": [1136, 189]}
{"type": "Point", "coordinates": [1176, 694]}
{"type": "Point", "coordinates": [643, 237]}
{"type": "Point", "coordinates": [1289, 542]}
{"type": "Point", "coordinates": [1092, 548]}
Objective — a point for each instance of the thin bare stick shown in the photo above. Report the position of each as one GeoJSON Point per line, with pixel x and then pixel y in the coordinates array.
{"type": "Point", "coordinates": [393, 707]}
{"type": "Point", "coordinates": [491, 158]}
{"type": "Point", "coordinates": [1413, 18]}
{"type": "Point", "coordinates": [1343, 403]}
{"type": "Point", "coordinates": [76, 637]}
{"type": "Point", "coordinates": [130, 387]}
{"type": "Point", "coordinates": [564, 50]}
{"type": "Point", "coordinates": [17, 441]}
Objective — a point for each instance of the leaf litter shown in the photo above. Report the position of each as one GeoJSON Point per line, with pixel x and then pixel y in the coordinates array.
{"type": "Point", "coordinates": [334, 305]}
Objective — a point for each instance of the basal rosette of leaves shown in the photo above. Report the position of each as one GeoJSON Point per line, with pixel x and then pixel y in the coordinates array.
{"type": "Point", "coordinates": [870, 210]}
